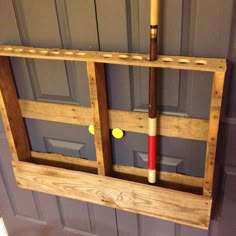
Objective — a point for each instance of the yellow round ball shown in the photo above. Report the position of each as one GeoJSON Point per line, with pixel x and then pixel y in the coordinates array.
{"type": "Point", "coordinates": [118, 133]}
{"type": "Point", "coordinates": [91, 129]}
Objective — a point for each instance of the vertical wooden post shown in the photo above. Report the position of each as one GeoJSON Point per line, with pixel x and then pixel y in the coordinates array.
{"type": "Point", "coordinates": [11, 114]}
{"type": "Point", "coordinates": [215, 107]}
{"type": "Point", "coordinates": [98, 96]}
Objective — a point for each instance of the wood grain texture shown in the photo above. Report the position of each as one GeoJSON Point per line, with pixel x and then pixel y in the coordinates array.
{"type": "Point", "coordinates": [70, 114]}
{"type": "Point", "coordinates": [215, 108]}
{"type": "Point", "coordinates": [170, 126]}
{"type": "Point", "coordinates": [167, 179]}
{"type": "Point", "coordinates": [134, 59]}
{"type": "Point", "coordinates": [162, 175]}
{"type": "Point", "coordinates": [66, 162]}
{"type": "Point", "coordinates": [179, 207]}
{"type": "Point", "coordinates": [11, 114]}
{"type": "Point", "coordinates": [98, 97]}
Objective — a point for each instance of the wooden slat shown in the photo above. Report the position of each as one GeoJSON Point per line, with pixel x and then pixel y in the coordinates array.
{"type": "Point", "coordinates": [67, 162]}
{"type": "Point", "coordinates": [215, 108]}
{"type": "Point", "coordinates": [171, 62]}
{"type": "Point", "coordinates": [167, 179]}
{"type": "Point", "coordinates": [179, 207]}
{"type": "Point", "coordinates": [98, 98]}
{"type": "Point", "coordinates": [70, 114]}
{"type": "Point", "coordinates": [65, 159]}
{"type": "Point", "coordinates": [171, 126]}
{"type": "Point", "coordinates": [11, 114]}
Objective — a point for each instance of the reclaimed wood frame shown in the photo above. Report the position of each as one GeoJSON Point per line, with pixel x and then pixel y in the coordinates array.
{"type": "Point", "coordinates": [178, 198]}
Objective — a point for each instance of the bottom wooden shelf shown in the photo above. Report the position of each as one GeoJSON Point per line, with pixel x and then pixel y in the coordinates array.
{"type": "Point", "coordinates": [170, 180]}
{"type": "Point", "coordinates": [176, 206]}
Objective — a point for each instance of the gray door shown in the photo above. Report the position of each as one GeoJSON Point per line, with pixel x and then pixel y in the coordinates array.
{"type": "Point", "coordinates": [187, 27]}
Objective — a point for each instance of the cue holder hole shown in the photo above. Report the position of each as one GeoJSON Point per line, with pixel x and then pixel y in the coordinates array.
{"type": "Point", "coordinates": [200, 62]}
{"type": "Point", "coordinates": [183, 61]}
{"type": "Point", "coordinates": [18, 50]}
{"type": "Point", "coordinates": [80, 53]}
{"type": "Point", "coordinates": [43, 51]}
{"type": "Point", "coordinates": [8, 49]}
{"type": "Point", "coordinates": [55, 52]}
{"type": "Point", "coordinates": [69, 53]}
{"type": "Point", "coordinates": [137, 57]}
{"type": "Point", "coordinates": [123, 56]}
{"type": "Point", "coordinates": [32, 50]}
{"type": "Point", "coordinates": [107, 55]}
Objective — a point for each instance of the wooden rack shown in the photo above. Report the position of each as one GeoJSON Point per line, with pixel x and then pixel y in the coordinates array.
{"type": "Point", "coordinates": [178, 198]}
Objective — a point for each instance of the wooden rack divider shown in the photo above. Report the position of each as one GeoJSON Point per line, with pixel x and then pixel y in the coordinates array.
{"type": "Point", "coordinates": [178, 198]}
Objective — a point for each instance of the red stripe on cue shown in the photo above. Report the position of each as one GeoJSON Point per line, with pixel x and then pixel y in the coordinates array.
{"type": "Point", "coordinates": [152, 152]}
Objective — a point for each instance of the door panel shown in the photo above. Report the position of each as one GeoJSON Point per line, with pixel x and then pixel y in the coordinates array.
{"type": "Point", "coordinates": [150, 226]}
{"type": "Point", "coordinates": [61, 138]}
{"type": "Point", "coordinates": [228, 203]}
{"type": "Point", "coordinates": [127, 223]}
{"type": "Point", "coordinates": [176, 155]}
{"type": "Point", "coordinates": [19, 207]}
{"type": "Point", "coordinates": [16, 196]}
{"type": "Point", "coordinates": [74, 215]}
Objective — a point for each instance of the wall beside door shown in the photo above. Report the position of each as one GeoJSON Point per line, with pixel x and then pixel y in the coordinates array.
{"type": "Point", "coordinates": [187, 27]}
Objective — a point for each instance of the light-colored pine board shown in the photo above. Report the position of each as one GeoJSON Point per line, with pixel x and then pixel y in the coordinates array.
{"type": "Point", "coordinates": [170, 126]}
{"type": "Point", "coordinates": [65, 159]}
{"type": "Point", "coordinates": [185, 180]}
{"type": "Point", "coordinates": [215, 108]}
{"type": "Point", "coordinates": [171, 62]}
{"type": "Point", "coordinates": [64, 113]}
{"type": "Point", "coordinates": [67, 162]}
{"type": "Point", "coordinates": [176, 206]}
{"type": "Point", "coordinates": [98, 98]}
{"type": "Point", "coordinates": [178, 181]}
{"type": "Point", "coordinates": [11, 114]}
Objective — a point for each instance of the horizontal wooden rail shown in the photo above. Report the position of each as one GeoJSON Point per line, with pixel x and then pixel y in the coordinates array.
{"type": "Point", "coordinates": [70, 114]}
{"type": "Point", "coordinates": [163, 176]}
{"type": "Point", "coordinates": [131, 59]}
{"type": "Point", "coordinates": [177, 181]}
{"type": "Point", "coordinates": [179, 207]}
{"type": "Point", "coordinates": [170, 126]}
{"type": "Point", "coordinates": [67, 162]}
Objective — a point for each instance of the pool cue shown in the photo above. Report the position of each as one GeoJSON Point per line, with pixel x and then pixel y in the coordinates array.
{"type": "Point", "coordinates": [152, 111]}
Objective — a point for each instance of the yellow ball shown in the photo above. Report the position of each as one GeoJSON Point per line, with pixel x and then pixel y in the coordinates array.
{"type": "Point", "coordinates": [118, 133]}
{"type": "Point", "coordinates": [91, 129]}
